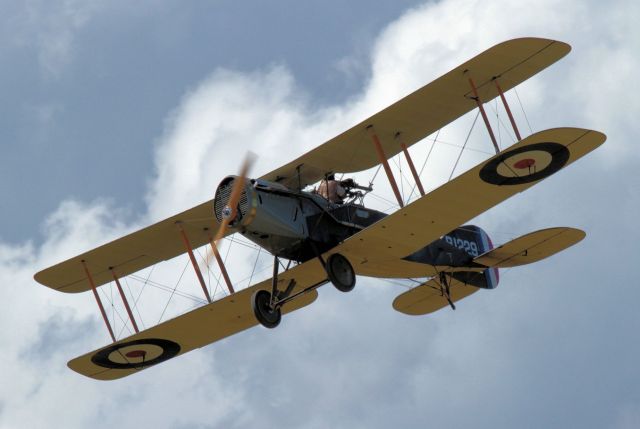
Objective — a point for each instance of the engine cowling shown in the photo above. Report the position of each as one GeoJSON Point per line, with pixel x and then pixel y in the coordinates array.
{"type": "Point", "coordinates": [245, 207]}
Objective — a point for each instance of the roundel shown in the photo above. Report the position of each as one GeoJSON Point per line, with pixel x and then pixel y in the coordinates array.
{"type": "Point", "coordinates": [136, 354]}
{"type": "Point", "coordinates": [525, 164]}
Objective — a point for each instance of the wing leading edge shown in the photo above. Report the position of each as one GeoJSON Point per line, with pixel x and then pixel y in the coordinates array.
{"type": "Point", "coordinates": [133, 252]}
{"type": "Point", "coordinates": [424, 111]}
{"type": "Point", "coordinates": [415, 116]}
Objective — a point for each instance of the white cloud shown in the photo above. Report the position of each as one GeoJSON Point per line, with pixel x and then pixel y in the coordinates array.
{"type": "Point", "coordinates": [349, 360]}
{"type": "Point", "coordinates": [52, 28]}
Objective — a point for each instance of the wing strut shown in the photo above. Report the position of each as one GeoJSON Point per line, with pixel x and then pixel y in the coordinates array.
{"type": "Point", "coordinates": [414, 172]}
{"type": "Point", "coordinates": [187, 245]}
{"type": "Point", "coordinates": [385, 164]}
{"type": "Point", "coordinates": [476, 97]}
{"type": "Point", "coordinates": [98, 300]}
{"type": "Point", "coordinates": [506, 107]}
{"type": "Point", "coordinates": [223, 268]}
{"type": "Point", "coordinates": [124, 300]}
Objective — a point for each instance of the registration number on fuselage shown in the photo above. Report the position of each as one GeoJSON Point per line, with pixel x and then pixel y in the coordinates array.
{"type": "Point", "coordinates": [468, 246]}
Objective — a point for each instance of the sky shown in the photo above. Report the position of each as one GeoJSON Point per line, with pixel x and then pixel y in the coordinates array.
{"type": "Point", "coordinates": [118, 114]}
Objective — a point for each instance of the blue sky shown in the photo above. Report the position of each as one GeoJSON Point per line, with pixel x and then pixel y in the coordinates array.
{"type": "Point", "coordinates": [90, 83]}
{"type": "Point", "coordinates": [117, 114]}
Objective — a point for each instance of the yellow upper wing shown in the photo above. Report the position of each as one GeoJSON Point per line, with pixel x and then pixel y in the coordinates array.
{"type": "Point", "coordinates": [424, 111]}
{"type": "Point", "coordinates": [373, 251]}
{"type": "Point", "coordinates": [133, 252]}
{"type": "Point", "coordinates": [415, 116]}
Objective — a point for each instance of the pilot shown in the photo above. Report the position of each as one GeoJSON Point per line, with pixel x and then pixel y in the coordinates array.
{"type": "Point", "coordinates": [332, 190]}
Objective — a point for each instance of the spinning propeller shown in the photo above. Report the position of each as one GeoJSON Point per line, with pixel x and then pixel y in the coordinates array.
{"type": "Point", "coordinates": [229, 213]}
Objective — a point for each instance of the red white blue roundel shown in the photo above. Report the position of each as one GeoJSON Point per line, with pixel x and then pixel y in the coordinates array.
{"type": "Point", "coordinates": [136, 354]}
{"type": "Point", "coordinates": [525, 164]}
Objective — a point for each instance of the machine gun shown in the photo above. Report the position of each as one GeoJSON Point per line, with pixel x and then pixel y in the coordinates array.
{"type": "Point", "coordinates": [355, 191]}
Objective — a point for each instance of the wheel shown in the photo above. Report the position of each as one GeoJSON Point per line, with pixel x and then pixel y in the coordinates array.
{"type": "Point", "coordinates": [341, 273]}
{"type": "Point", "coordinates": [261, 305]}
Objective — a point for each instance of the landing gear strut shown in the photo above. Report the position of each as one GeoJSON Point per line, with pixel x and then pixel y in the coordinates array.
{"type": "Point", "coordinates": [267, 306]}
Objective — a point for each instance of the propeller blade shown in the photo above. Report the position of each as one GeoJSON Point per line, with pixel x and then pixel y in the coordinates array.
{"type": "Point", "coordinates": [234, 199]}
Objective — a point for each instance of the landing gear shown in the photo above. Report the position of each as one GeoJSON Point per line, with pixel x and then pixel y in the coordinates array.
{"type": "Point", "coordinates": [340, 272]}
{"type": "Point", "coordinates": [268, 314]}
{"type": "Point", "coordinates": [267, 306]}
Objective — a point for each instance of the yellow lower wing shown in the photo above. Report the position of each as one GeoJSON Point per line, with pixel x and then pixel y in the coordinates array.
{"type": "Point", "coordinates": [194, 329]}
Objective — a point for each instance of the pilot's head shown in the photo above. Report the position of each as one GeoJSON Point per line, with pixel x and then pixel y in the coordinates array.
{"type": "Point", "coordinates": [331, 177]}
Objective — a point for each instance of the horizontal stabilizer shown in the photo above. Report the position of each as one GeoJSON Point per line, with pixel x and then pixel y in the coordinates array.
{"type": "Point", "coordinates": [428, 297]}
{"type": "Point", "coordinates": [531, 247]}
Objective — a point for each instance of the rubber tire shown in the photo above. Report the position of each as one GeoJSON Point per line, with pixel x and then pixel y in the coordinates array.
{"type": "Point", "coordinates": [260, 303]}
{"type": "Point", "coordinates": [341, 273]}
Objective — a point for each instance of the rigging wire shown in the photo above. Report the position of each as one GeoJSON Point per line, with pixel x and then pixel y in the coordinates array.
{"type": "Point", "coordinates": [168, 289]}
{"type": "Point", "coordinates": [397, 160]}
{"type": "Point", "coordinates": [433, 143]}
{"type": "Point", "coordinates": [376, 173]}
{"type": "Point", "coordinates": [144, 285]}
{"type": "Point", "coordinates": [523, 112]}
{"type": "Point", "coordinates": [254, 266]}
{"type": "Point", "coordinates": [172, 293]}
{"type": "Point", "coordinates": [504, 126]}
{"type": "Point", "coordinates": [135, 307]}
{"type": "Point", "coordinates": [114, 310]}
{"type": "Point", "coordinates": [203, 259]}
{"type": "Point", "coordinates": [465, 144]}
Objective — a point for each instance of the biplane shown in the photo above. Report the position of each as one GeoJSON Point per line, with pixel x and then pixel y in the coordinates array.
{"type": "Point", "coordinates": [335, 241]}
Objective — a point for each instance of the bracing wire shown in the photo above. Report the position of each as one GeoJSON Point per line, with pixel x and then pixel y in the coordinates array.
{"type": "Point", "coordinates": [424, 164]}
{"type": "Point", "coordinates": [135, 306]}
{"type": "Point", "coordinates": [504, 126]}
{"type": "Point", "coordinates": [254, 266]}
{"type": "Point", "coordinates": [523, 112]}
{"type": "Point", "coordinates": [172, 293]}
{"type": "Point", "coordinates": [465, 144]}
{"type": "Point", "coordinates": [113, 308]}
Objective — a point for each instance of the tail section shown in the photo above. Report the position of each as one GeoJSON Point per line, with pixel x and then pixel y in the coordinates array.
{"type": "Point", "coordinates": [476, 242]}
